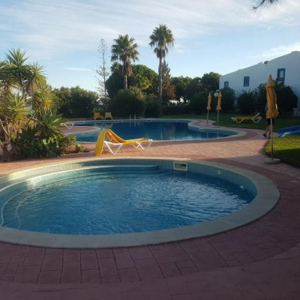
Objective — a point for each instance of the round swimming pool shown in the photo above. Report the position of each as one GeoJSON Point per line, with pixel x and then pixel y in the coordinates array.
{"type": "Point", "coordinates": [156, 130]}
{"type": "Point", "coordinates": [110, 200]}
{"type": "Point", "coordinates": [124, 202]}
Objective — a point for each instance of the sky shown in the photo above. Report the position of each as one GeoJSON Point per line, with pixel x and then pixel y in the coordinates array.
{"type": "Point", "coordinates": [210, 36]}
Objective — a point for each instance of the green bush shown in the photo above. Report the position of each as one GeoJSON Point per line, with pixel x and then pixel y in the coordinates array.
{"type": "Point", "coordinates": [198, 103]}
{"type": "Point", "coordinates": [228, 99]}
{"type": "Point", "coordinates": [43, 138]}
{"type": "Point", "coordinates": [260, 99]}
{"type": "Point", "coordinates": [79, 148]}
{"type": "Point", "coordinates": [152, 106]}
{"type": "Point", "coordinates": [286, 98]}
{"type": "Point", "coordinates": [128, 102]}
{"type": "Point", "coordinates": [31, 145]}
{"type": "Point", "coordinates": [173, 109]}
{"type": "Point", "coordinates": [76, 102]}
{"type": "Point", "coordinates": [246, 102]}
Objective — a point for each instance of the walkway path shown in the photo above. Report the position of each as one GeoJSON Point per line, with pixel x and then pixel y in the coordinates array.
{"type": "Point", "coordinates": [257, 261]}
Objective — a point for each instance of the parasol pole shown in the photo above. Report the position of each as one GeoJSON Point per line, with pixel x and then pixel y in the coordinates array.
{"type": "Point", "coordinates": [207, 117]}
{"type": "Point", "coordinates": [208, 107]}
{"type": "Point", "coordinates": [272, 147]}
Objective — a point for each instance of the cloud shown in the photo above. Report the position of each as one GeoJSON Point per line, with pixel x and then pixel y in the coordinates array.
{"type": "Point", "coordinates": [54, 28]}
{"type": "Point", "coordinates": [76, 69]}
{"type": "Point", "coordinates": [279, 51]}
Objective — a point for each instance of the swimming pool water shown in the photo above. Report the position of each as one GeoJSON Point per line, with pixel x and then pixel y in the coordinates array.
{"type": "Point", "coordinates": [109, 202]}
{"type": "Point", "coordinates": [154, 130]}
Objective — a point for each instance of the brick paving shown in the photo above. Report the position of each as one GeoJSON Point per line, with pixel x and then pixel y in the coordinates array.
{"type": "Point", "coordinates": [258, 261]}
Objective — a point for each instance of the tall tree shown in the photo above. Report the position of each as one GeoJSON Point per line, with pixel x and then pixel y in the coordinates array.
{"type": "Point", "coordinates": [263, 2]}
{"type": "Point", "coordinates": [181, 83]}
{"type": "Point", "coordinates": [168, 88]}
{"type": "Point", "coordinates": [102, 70]}
{"type": "Point", "coordinates": [161, 39]}
{"type": "Point", "coordinates": [125, 50]}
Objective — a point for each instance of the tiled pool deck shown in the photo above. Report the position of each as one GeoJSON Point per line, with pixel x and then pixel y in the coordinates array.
{"type": "Point", "coordinates": [257, 261]}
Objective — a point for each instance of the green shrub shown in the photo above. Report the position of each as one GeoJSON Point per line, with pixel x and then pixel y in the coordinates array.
{"type": "Point", "coordinates": [246, 102]}
{"type": "Point", "coordinates": [31, 145]}
{"type": "Point", "coordinates": [260, 99]}
{"type": "Point", "coordinates": [228, 99]}
{"type": "Point", "coordinates": [79, 148]}
{"type": "Point", "coordinates": [198, 103]}
{"type": "Point", "coordinates": [152, 106]}
{"type": "Point", "coordinates": [43, 138]}
{"type": "Point", "coordinates": [173, 109]}
{"type": "Point", "coordinates": [286, 98]}
{"type": "Point", "coordinates": [128, 102]}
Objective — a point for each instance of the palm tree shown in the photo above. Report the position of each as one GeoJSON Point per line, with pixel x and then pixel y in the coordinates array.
{"type": "Point", "coordinates": [262, 2]}
{"type": "Point", "coordinates": [161, 39]}
{"type": "Point", "coordinates": [125, 50]}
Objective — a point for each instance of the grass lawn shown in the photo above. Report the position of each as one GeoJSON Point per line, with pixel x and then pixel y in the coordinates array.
{"type": "Point", "coordinates": [287, 149]}
{"type": "Point", "coordinates": [225, 120]}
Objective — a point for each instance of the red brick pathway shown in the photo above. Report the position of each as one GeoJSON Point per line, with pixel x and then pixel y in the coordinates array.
{"type": "Point", "coordinates": [257, 261]}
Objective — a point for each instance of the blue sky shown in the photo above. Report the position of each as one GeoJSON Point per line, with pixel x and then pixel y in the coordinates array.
{"type": "Point", "coordinates": [217, 35]}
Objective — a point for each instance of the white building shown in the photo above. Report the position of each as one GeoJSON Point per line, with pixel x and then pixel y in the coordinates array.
{"type": "Point", "coordinates": [284, 69]}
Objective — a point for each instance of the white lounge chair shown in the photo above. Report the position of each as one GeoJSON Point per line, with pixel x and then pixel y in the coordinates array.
{"type": "Point", "coordinates": [255, 119]}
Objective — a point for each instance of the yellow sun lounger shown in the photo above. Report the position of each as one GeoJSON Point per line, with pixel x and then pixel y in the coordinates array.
{"type": "Point", "coordinates": [241, 119]}
{"type": "Point", "coordinates": [108, 116]}
{"type": "Point", "coordinates": [98, 116]}
{"type": "Point", "coordinates": [114, 143]}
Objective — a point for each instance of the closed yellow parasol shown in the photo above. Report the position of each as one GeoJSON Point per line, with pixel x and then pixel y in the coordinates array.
{"type": "Point", "coordinates": [209, 102]}
{"type": "Point", "coordinates": [208, 108]}
{"type": "Point", "coordinates": [272, 112]}
{"type": "Point", "coordinates": [219, 101]}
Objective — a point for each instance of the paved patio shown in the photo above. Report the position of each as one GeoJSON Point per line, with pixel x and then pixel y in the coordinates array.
{"type": "Point", "coordinates": [257, 261]}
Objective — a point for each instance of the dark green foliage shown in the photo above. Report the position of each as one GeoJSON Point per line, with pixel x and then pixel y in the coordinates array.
{"type": "Point", "coordinates": [198, 103]}
{"type": "Point", "coordinates": [75, 102]}
{"type": "Point", "coordinates": [43, 138]}
{"type": "Point", "coordinates": [194, 87]}
{"type": "Point", "coordinates": [210, 82]}
{"type": "Point", "coordinates": [179, 109]}
{"type": "Point", "coordinates": [181, 83]}
{"type": "Point", "coordinates": [286, 98]}
{"type": "Point", "coordinates": [128, 102]}
{"type": "Point", "coordinates": [143, 78]}
{"type": "Point", "coordinates": [260, 99]}
{"type": "Point", "coordinates": [246, 102]}
{"type": "Point", "coordinates": [228, 99]}
{"type": "Point", "coordinates": [114, 83]}
{"type": "Point", "coordinates": [152, 106]}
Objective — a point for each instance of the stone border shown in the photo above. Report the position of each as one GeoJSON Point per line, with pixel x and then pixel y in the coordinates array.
{"type": "Point", "coordinates": [267, 197]}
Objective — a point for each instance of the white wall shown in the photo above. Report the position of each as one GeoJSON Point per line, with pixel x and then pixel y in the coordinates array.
{"type": "Point", "coordinates": [259, 74]}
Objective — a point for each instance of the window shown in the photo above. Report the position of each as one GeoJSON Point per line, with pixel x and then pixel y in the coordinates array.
{"type": "Point", "coordinates": [246, 81]}
{"type": "Point", "coordinates": [226, 84]}
{"type": "Point", "coordinates": [280, 75]}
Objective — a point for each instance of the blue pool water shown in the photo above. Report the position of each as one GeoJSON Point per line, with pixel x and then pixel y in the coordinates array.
{"type": "Point", "coordinates": [103, 201]}
{"type": "Point", "coordinates": [154, 130]}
